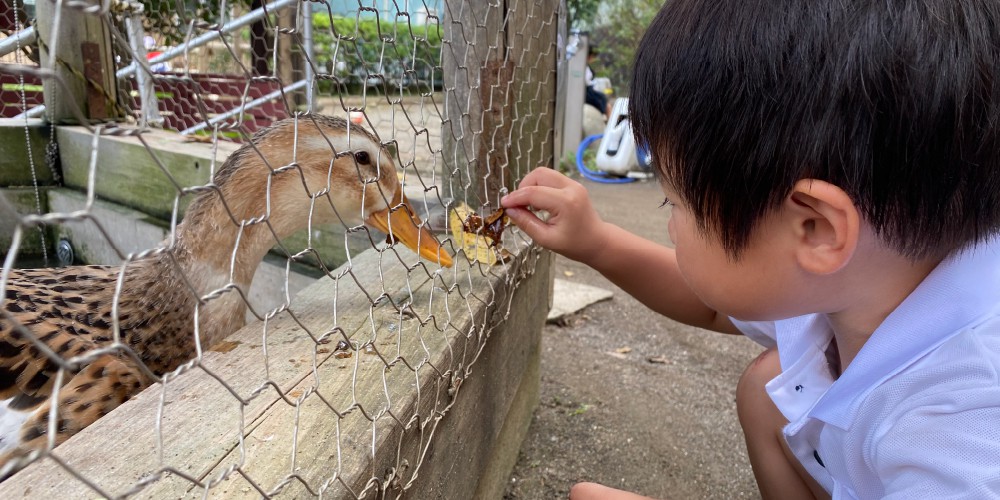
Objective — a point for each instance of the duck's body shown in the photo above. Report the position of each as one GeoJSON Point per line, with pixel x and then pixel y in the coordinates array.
{"type": "Point", "coordinates": [327, 177]}
{"type": "Point", "coordinates": [70, 311]}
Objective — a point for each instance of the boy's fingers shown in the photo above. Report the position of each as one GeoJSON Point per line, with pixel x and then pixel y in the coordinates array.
{"type": "Point", "coordinates": [529, 223]}
{"type": "Point", "coordinates": [521, 217]}
{"type": "Point", "coordinates": [539, 197]}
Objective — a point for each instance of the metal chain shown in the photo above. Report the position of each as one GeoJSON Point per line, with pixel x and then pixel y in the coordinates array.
{"type": "Point", "coordinates": [28, 143]}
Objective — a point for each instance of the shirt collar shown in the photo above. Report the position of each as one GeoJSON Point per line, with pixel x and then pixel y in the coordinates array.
{"type": "Point", "coordinates": [962, 289]}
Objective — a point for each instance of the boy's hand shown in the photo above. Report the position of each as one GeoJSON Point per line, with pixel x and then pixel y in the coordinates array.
{"type": "Point", "coordinates": [573, 227]}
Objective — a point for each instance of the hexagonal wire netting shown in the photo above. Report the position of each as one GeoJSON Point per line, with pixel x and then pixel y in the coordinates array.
{"type": "Point", "coordinates": [225, 127]}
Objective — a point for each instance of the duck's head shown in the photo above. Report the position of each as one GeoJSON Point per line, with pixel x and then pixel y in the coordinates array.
{"type": "Point", "coordinates": [315, 170]}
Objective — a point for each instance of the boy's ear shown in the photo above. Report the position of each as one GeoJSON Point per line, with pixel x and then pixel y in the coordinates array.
{"type": "Point", "coordinates": [826, 225]}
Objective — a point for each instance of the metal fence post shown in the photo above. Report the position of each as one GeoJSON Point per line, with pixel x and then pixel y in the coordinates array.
{"type": "Point", "coordinates": [147, 96]}
{"type": "Point", "coordinates": [75, 48]}
{"type": "Point", "coordinates": [573, 97]}
{"type": "Point", "coordinates": [309, 55]}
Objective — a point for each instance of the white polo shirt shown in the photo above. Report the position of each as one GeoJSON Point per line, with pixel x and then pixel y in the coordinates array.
{"type": "Point", "coordinates": [917, 413]}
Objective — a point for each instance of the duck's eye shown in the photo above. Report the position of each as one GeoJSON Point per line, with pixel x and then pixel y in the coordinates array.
{"type": "Point", "coordinates": [362, 158]}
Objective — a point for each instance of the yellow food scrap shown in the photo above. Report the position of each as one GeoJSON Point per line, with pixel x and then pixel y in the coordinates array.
{"type": "Point", "coordinates": [476, 247]}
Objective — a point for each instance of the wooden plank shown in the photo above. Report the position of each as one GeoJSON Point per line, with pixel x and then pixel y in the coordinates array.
{"type": "Point", "coordinates": [23, 143]}
{"type": "Point", "coordinates": [84, 63]}
{"type": "Point", "coordinates": [127, 172]}
{"type": "Point", "coordinates": [23, 201]}
{"type": "Point", "coordinates": [458, 467]}
{"type": "Point", "coordinates": [121, 229]}
{"type": "Point", "coordinates": [130, 174]}
{"type": "Point", "coordinates": [484, 330]}
{"type": "Point", "coordinates": [202, 420]}
{"type": "Point", "coordinates": [360, 388]}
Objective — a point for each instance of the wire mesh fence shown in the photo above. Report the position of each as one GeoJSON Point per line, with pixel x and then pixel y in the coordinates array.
{"type": "Point", "coordinates": [181, 171]}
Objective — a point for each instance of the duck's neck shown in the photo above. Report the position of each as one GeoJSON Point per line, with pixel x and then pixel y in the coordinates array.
{"type": "Point", "coordinates": [217, 245]}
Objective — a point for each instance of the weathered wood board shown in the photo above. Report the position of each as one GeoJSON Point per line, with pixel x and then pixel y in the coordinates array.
{"type": "Point", "coordinates": [294, 419]}
{"type": "Point", "coordinates": [23, 144]}
{"type": "Point", "coordinates": [148, 175]}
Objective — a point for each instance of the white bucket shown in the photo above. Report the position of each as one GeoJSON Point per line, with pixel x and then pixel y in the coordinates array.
{"type": "Point", "coordinates": [617, 153]}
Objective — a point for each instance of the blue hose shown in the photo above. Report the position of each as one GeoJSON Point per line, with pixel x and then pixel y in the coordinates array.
{"type": "Point", "coordinates": [590, 174]}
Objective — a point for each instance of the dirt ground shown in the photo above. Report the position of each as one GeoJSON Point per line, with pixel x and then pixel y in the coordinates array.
{"type": "Point", "coordinates": [665, 428]}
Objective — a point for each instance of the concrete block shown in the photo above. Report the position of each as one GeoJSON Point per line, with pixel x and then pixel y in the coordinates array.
{"type": "Point", "coordinates": [569, 297]}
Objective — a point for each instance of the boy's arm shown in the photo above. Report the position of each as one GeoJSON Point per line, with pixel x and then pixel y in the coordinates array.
{"type": "Point", "coordinates": [642, 268]}
{"type": "Point", "coordinates": [648, 271]}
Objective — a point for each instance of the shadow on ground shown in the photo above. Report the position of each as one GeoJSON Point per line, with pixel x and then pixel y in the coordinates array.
{"type": "Point", "coordinates": [629, 398]}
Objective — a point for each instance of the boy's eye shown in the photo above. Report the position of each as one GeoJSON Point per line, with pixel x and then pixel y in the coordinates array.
{"type": "Point", "coordinates": [666, 203]}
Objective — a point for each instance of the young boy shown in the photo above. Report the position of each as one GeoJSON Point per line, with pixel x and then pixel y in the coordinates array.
{"type": "Point", "coordinates": [834, 172]}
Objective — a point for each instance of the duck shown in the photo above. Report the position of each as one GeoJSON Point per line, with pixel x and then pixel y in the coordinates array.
{"type": "Point", "coordinates": [119, 329]}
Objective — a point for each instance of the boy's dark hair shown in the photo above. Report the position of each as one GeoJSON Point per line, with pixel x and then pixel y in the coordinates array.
{"type": "Point", "coordinates": [897, 102]}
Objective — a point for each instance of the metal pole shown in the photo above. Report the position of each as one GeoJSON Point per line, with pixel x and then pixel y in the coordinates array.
{"type": "Point", "coordinates": [307, 43]}
{"type": "Point", "coordinates": [183, 48]}
{"type": "Point", "coordinates": [576, 67]}
{"type": "Point", "coordinates": [22, 38]}
{"type": "Point", "coordinates": [239, 109]}
{"type": "Point", "coordinates": [200, 40]}
{"type": "Point", "coordinates": [147, 96]}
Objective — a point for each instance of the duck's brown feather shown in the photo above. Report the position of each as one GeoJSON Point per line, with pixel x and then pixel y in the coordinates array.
{"type": "Point", "coordinates": [71, 311]}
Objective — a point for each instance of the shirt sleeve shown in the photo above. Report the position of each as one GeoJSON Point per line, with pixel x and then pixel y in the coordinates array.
{"type": "Point", "coordinates": [948, 446]}
{"type": "Point", "coordinates": [761, 332]}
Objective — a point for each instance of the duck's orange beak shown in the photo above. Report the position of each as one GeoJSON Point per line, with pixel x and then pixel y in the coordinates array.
{"type": "Point", "coordinates": [403, 224]}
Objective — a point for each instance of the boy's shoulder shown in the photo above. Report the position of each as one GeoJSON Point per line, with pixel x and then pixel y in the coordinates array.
{"type": "Point", "coordinates": [917, 415]}
{"type": "Point", "coordinates": [962, 373]}
{"type": "Point", "coordinates": [930, 430]}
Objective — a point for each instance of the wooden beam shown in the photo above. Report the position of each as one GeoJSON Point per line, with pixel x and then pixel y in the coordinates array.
{"type": "Point", "coordinates": [424, 413]}
{"type": "Point", "coordinates": [475, 74]}
{"type": "Point", "coordinates": [23, 143]}
{"type": "Point", "coordinates": [500, 83]}
{"type": "Point", "coordinates": [147, 178]}
{"type": "Point", "coordinates": [83, 61]}
{"type": "Point", "coordinates": [534, 28]}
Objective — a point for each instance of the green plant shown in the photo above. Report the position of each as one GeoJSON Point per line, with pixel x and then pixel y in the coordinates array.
{"type": "Point", "coordinates": [171, 18]}
{"type": "Point", "coordinates": [350, 49]}
{"type": "Point", "coordinates": [618, 40]}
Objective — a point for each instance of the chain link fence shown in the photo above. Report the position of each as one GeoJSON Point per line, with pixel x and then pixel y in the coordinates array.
{"type": "Point", "coordinates": [253, 249]}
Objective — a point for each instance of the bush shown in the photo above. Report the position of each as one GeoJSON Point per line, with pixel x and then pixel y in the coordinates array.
{"type": "Point", "coordinates": [366, 50]}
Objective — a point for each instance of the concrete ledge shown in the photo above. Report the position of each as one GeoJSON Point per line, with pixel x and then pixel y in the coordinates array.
{"type": "Point", "coordinates": [436, 411]}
